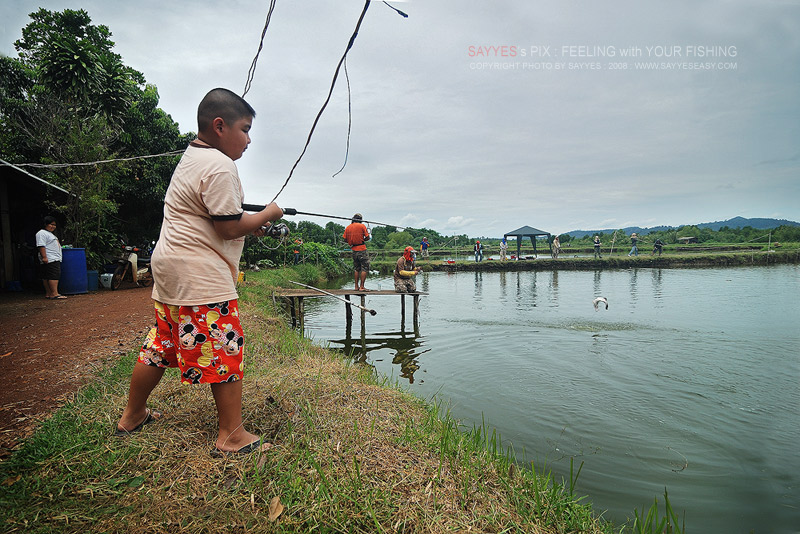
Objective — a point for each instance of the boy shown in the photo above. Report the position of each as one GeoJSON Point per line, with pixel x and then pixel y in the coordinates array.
{"type": "Point", "coordinates": [195, 266]}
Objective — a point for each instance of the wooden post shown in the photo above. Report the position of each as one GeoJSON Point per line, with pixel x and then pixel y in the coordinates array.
{"type": "Point", "coordinates": [348, 312]}
{"type": "Point", "coordinates": [363, 313]}
{"type": "Point", "coordinates": [416, 314]}
{"type": "Point", "coordinates": [302, 315]}
{"type": "Point", "coordinates": [402, 313]}
{"type": "Point", "coordinates": [292, 312]}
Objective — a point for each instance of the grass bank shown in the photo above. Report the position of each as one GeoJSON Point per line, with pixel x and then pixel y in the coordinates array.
{"type": "Point", "coordinates": [356, 455]}
{"type": "Point", "coordinates": [674, 260]}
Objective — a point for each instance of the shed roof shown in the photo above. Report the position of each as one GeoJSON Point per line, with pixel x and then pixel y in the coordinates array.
{"type": "Point", "coordinates": [527, 231]}
{"type": "Point", "coordinates": [25, 176]}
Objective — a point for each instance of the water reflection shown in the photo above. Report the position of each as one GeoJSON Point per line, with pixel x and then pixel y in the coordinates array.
{"type": "Point", "coordinates": [404, 347]}
{"type": "Point", "coordinates": [425, 282]}
{"type": "Point", "coordinates": [657, 289]}
{"type": "Point", "coordinates": [554, 289]}
{"type": "Point", "coordinates": [633, 276]}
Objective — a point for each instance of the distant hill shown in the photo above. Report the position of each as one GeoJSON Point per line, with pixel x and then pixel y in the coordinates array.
{"type": "Point", "coordinates": [736, 222]}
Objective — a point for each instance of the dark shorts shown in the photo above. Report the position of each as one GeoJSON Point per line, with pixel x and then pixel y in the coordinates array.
{"type": "Point", "coordinates": [360, 261]}
{"type": "Point", "coordinates": [50, 271]}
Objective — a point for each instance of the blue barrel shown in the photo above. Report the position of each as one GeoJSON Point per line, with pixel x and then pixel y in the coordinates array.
{"type": "Point", "coordinates": [73, 272]}
{"type": "Point", "coordinates": [93, 279]}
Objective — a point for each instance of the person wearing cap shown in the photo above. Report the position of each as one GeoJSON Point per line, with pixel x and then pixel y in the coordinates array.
{"type": "Point", "coordinates": [405, 271]}
{"type": "Point", "coordinates": [634, 250]}
{"type": "Point", "coordinates": [478, 249]}
{"type": "Point", "coordinates": [296, 250]}
{"type": "Point", "coordinates": [556, 247]}
{"type": "Point", "coordinates": [356, 235]}
{"type": "Point", "coordinates": [423, 247]}
{"type": "Point", "coordinates": [597, 247]}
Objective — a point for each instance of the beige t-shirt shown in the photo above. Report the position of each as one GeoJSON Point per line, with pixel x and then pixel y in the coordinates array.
{"type": "Point", "coordinates": [192, 264]}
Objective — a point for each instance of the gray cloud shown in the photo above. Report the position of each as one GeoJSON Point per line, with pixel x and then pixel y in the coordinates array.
{"type": "Point", "coordinates": [486, 143]}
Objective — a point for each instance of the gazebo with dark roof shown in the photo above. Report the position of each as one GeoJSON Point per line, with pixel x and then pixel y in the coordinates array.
{"type": "Point", "coordinates": [527, 231]}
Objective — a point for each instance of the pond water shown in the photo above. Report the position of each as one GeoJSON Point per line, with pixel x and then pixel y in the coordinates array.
{"type": "Point", "coordinates": [690, 380]}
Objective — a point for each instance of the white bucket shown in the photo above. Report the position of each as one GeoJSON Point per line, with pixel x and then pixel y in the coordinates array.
{"type": "Point", "coordinates": [105, 280]}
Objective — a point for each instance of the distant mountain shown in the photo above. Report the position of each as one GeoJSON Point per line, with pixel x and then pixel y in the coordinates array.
{"type": "Point", "coordinates": [736, 222]}
{"type": "Point", "coordinates": [740, 222]}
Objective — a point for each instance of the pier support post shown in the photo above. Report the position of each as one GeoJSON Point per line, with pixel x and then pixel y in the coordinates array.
{"type": "Point", "coordinates": [301, 312]}
{"type": "Point", "coordinates": [363, 313]}
{"type": "Point", "coordinates": [416, 314]}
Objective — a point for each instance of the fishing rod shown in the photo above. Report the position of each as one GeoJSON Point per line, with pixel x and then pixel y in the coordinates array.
{"type": "Point", "coordinates": [371, 312]}
{"type": "Point", "coordinates": [292, 211]}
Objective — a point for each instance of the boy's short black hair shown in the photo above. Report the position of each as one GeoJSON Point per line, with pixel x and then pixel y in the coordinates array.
{"type": "Point", "coordinates": [223, 103]}
{"type": "Point", "coordinates": [47, 220]}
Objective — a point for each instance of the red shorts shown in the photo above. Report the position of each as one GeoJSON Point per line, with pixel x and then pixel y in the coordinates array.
{"type": "Point", "coordinates": [205, 342]}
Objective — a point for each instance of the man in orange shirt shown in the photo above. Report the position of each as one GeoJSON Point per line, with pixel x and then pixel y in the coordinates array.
{"type": "Point", "coordinates": [356, 235]}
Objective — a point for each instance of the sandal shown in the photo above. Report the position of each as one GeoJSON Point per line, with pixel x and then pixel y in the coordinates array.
{"type": "Point", "coordinates": [151, 416]}
{"type": "Point", "coordinates": [247, 449]}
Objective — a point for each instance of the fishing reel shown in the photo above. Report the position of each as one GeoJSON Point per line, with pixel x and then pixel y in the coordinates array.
{"type": "Point", "coordinates": [277, 231]}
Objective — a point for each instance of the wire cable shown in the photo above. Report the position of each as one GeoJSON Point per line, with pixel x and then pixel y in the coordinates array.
{"type": "Point", "coordinates": [87, 163]}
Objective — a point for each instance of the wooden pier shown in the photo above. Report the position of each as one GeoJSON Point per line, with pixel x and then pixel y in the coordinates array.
{"type": "Point", "coordinates": [294, 302]}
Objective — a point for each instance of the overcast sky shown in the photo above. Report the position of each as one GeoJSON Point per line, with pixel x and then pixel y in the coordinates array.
{"type": "Point", "coordinates": [480, 117]}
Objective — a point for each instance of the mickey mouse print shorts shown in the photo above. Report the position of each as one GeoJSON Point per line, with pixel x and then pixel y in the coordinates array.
{"type": "Point", "coordinates": [205, 342]}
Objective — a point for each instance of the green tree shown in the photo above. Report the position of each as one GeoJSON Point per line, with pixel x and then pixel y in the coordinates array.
{"type": "Point", "coordinates": [73, 59]}
{"type": "Point", "coordinates": [399, 240]}
{"type": "Point", "coordinates": [68, 98]}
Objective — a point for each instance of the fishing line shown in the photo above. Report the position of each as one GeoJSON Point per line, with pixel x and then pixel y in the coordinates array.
{"type": "Point", "coordinates": [252, 72]}
{"type": "Point", "coordinates": [328, 99]}
{"type": "Point", "coordinates": [400, 12]}
{"type": "Point", "coordinates": [349, 119]}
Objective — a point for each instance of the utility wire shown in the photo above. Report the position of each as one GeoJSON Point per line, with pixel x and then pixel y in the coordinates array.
{"type": "Point", "coordinates": [87, 163]}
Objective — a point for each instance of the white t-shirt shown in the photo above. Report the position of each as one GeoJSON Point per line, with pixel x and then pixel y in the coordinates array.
{"type": "Point", "coordinates": [192, 264]}
{"type": "Point", "coordinates": [51, 246]}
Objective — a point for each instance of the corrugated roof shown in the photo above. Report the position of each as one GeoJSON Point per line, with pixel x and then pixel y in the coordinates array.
{"type": "Point", "coordinates": [20, 170]}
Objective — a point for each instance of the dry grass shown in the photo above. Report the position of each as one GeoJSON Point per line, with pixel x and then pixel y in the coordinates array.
{"type": "Point", "coordinates": [354, 456]}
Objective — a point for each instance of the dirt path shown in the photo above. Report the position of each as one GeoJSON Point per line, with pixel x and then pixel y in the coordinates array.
{"type": "Point", "coordinates": [50, 348]}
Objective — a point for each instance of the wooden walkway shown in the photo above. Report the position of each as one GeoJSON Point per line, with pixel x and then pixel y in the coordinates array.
{"type": "Point", "coordinates": [294, 302]}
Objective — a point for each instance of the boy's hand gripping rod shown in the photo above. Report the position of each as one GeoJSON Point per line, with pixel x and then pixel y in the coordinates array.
{"type": "Point", "coordinates": [371, 312]}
